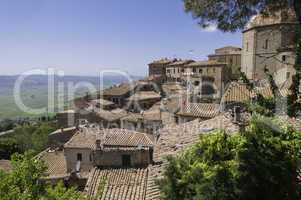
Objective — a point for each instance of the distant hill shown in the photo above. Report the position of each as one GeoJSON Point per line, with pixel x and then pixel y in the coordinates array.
{"type": "Point", "coordinates": [34, 91]}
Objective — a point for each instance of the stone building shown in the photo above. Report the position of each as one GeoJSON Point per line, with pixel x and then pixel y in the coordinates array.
{"type": "Point", "coordinates": [103, 104]}
{"type": "Point", "coordinates": [158, 68]}
{"type": "Point", "coordinates": [267, 43]}
{"type": "Point", "coordinates": [142, 100]}
{"type": "Point", "coordinates": [230, 55]}
{"type": "Point", "coordinates": [208, 76]}
{"type": "Point", "coordinates": [117, 94]}
{"type": "Point", "coordinates": [192, 111]}
{"type": "Point", "coordinates": [92, 147]}
{"type": "Point", "coordinates": [175, 70]}
{"type": "Point", "coordinates": [68, 118]}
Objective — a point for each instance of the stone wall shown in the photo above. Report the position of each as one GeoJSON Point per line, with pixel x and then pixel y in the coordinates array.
{"type": "Point", "coordinates": [113, 158]}
{"type": "Point", "coordinates": [87, 162]}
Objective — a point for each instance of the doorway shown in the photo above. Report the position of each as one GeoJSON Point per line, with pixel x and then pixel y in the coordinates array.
{"type": "Point", "coordinates": [126, 160]}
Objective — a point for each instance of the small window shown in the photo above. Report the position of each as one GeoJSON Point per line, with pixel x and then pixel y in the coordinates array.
{"type": "Point", "coordinates": [194, 70]}
{"type": "Point", "coordinates": [79, 157]}
{"type": "Point", "coordinates": [231, 61]}
{"type": "Point", "coordinates": [200, 71]}
{"type": "Point", "coordinates": [178, 70]}
{"type": "Point", "coordinates": [266, 44]}
{"type": "Point", "coordinates": [182, 70]}
{"type": "Point", "coordinates": [288, 74]}
{"type": "Point", "coordinates": [90, 157]}
{"type": "Point", "coordinates": [283, 58]}
{"type": "Point", "coordinates": [174, 70]}
{"type": "Point", "coordinates": [207, 70]}
{"type": "Point", "coordinates": [213, 70]}
{"type": "Point", "coordinates": [247, 46]}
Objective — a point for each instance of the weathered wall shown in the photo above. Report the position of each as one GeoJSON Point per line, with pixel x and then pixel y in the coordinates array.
{"type": "Point", "coordinates": [71, 159]}
{"type": "Point", "coordinates": [114, 158]}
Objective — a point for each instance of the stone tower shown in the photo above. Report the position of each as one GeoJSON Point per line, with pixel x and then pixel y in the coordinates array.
{"type": "Point", "coordinates": [268, 43]}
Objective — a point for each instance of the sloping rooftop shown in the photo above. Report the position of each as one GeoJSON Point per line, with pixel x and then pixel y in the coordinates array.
{"type": "Point", "coordinates": [117, 90]}
{"type": "Point", "coordinates": [86, 138]}
{"type": "Point", "coordinates": [202, 110]}
{"type": "Point", "coordinates": [126, 138]}
{"type": "Point", "coordinates": [133, 117]}
{"type": "Point", "coordinates": [144, 95]}
{"type": "Point", "coordinates": [239, 92]}
{"type": "Point", "coordinates": [180, 62]}
{"type": "Point", "coordinates": [162, 61]}
{"type": "Point", "coordinates": [55, 162]}
{"type": "Point", "coordinates": [112, 115]}
{"type": "Point", "coordinates": [5, 165]}
{"type": "Point", "coordinates": [206, 63]}
{"type": "Point", "coordinates": [102, 102]}
{"type": "Point", "coordinates": [119, 184]}
{"type": "Point", "coordinates": [176, 138]}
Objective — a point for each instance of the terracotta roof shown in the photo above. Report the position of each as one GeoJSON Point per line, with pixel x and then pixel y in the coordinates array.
{"type": "Point", "coordinates": [101, 102]}
{"type": "Point", "coordinates": [144, 95]}
{"type": "Point", "coordinates": [202, 110]}
{"type": "Point", "coordinates": [5, 165]}
{"type": "Point", "coordinates": [84, 139]}
{"type": "Point", "coordinates": [119, 184]}
{"type": "Point", "coordinates": [162, 61]}
{"type": "Point", "coordinates": [112, 115]}
{"type": "Point", "coordinates": [55, 162]}
{"type": "Point", "coordinates": [109, 138]}
{"type": "Point", "coordinates": [126, 138]}
{"type": "Point", "coordinates": [133, 117]}
{"type": "Point", "coordinates": [238, 92]}
{"type": "Point", "coordinates": [205, 63]}
{"type": "Point", "coordinates": [175, 138]}
{"type": "Point", "coordinates": [181, 62]}
{"type": "Point", "coordinates": [119, 90]}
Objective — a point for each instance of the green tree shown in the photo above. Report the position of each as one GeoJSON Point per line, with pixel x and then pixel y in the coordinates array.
{"type": "Point", "coordinates": [261, 163]}
{"type": "Point", "coordinates": [233, 15]}
{"type": "Point", "coordinates": [23, 183]}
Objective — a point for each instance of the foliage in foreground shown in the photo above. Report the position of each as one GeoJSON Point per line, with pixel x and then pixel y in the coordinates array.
{"type": "Point", "coordinates": [23, 183]}
{"type": "Point", "coordinates": [24, 138]}
{"type": "Point", "coordinates": [261, 163]}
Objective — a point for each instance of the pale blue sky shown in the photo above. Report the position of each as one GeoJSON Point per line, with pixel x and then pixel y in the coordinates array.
{"type": "Point", "coordinates": [82, 37]}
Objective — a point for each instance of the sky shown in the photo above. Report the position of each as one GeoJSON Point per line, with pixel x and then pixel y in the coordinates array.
{"type": "Point", "coordinates": [83, 37]}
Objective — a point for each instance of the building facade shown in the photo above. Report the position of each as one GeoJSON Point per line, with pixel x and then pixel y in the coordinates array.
{"type": "Point", "coordinates": [230, 55]}
{"type": "Point", "coordinates": [267, 43]}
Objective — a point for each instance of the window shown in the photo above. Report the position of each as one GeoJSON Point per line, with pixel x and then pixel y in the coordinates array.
{"type": "Point", "coordinates": [288, 74]}
{"type": "Point", "coordinates": [178, 70]}
{"type": "Point", "coordinates": [207, 70]}
{"type": "Point", "coordinates": [182, 70]}
{"type": "Point", "coordinates": [247, 46]}
{"type": "Point", "coordinates": [200, 71]}
{"type": "Point", "coordinates": [231, 61]}
{"type": "Point", "coordinates": [266, 44]}
{"type": "Point", "coordinates": [79, 157]}
{"type": "Point", "coordinates": [283, 58]}
{"type": "Point", "coordinates": [213, 70]}
{"type": "Point", "coordinates": [174, 70]}
{"type": "Point", "coordinates": [194, 70]}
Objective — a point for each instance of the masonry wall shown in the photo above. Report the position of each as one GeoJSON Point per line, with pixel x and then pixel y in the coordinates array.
{"type": "Point", "coordinates": [262, 49]}
{"type": "Point", "coordinates": [71, 159]}
{"type": "Point", "coordinates": [248, 53]}
{"type": "Point", "coordinates": [114, 158]}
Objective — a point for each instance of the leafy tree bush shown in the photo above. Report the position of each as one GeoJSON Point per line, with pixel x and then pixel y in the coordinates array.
{"type": "Point", "coordinates": [24, 138]}
{"type": "Point", "coordinates": [23, 183]}
{"type": "Point", "coordinates": [261, 163]}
